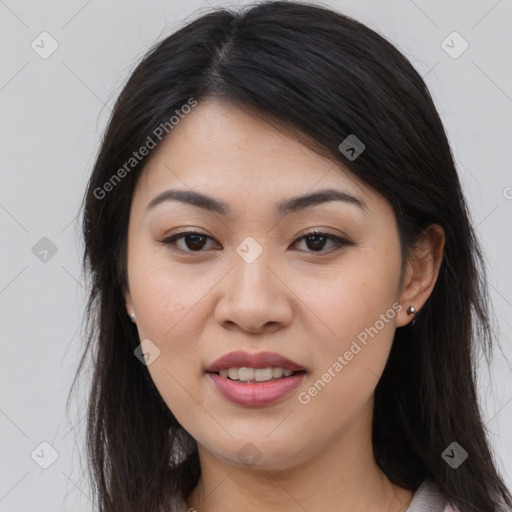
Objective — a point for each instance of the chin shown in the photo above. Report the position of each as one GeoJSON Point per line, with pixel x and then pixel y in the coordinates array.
{"type": "Point", "coordinates": [260, 454]}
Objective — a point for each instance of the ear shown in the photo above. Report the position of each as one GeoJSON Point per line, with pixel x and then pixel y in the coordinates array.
{"type": "Point", "coordinates": [421, 272]}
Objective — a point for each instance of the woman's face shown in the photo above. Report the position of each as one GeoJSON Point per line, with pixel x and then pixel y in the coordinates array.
{"type": "Point", "coordinates": [252, 282]}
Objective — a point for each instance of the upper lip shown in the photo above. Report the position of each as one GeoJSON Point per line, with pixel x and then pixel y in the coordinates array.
{"type": "Point", "coordinates": [240, 359]}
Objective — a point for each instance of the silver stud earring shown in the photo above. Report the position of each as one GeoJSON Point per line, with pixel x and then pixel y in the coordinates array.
{"type": "Point", "coordinates": [132, 315]}
{"type": "Point", "coordinates": [411, 310]}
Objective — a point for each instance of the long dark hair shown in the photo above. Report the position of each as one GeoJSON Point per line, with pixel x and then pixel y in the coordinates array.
{"type": "Point", "coordinates": [321, 76]}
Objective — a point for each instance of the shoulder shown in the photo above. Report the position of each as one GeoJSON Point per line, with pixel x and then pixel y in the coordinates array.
{"type": "Point", "coordinates": [429, 498]}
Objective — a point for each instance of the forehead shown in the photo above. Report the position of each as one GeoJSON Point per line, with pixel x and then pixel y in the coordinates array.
{"type": "Point", "coordinates": [234, 153]}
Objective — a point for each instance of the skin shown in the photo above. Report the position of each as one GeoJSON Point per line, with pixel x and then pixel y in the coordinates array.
{"type": "Point", "coordinates": [306, 304]}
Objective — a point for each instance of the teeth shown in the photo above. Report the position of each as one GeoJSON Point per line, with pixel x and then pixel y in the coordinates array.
{"type": "Point", "coordinates": [277, 372]}
{"type": "Point", "coordinates": [255, 374]}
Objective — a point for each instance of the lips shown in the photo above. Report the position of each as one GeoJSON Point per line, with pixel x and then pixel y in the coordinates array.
{"type": "Point", "coordinates": [240, 359]}
{"type": "Point", "coordinates": [257, 394]}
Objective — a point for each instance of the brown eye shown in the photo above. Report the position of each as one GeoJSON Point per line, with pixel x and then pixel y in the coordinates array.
{"type": "Point", "coordinates": [316, 241]}
{"type": "Point", "coordinates": [193, 241]}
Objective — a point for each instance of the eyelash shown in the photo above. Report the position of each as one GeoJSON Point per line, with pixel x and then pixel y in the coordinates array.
{"type": "Point", "coordinates": [340, 243]}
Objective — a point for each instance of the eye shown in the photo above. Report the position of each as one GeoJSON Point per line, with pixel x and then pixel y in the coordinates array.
{"type": "Point", "coordinates": [195, 241]}
{"type": "Point", "coordinates": [316, 241]}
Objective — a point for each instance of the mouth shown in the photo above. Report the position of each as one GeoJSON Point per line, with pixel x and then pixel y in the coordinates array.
{"type": "Point", "coordinates": [250, 379]}
{"type": "Point", "coordinates": [255, 387]}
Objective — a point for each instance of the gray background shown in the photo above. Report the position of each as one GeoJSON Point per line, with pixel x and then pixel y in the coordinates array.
{"type": "Point", "coordinates": [53, 112]}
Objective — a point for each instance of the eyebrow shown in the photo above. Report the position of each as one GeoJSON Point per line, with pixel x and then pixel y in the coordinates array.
{"type": "Point", "coordinates": [285, 207]}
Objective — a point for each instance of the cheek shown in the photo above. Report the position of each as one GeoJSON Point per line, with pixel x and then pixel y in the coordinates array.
{"type": "Point", "coordinates": [348, 365]}
{"type": "Point", "coordinates": [165, 293]}
{"type": "Point", "coordinates": [355, 311]}
{"type": "Point", "coordinates": [352, 296]}
{"type": "Point", "coordinates": [167, 301]}
{"type": "Point", "coordinates": [169, 309]}
{"type": "Point", "coordinates": [170, 318]}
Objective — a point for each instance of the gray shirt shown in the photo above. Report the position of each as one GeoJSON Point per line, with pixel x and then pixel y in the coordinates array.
{"type": "Point", "coordinates": [428, 498]}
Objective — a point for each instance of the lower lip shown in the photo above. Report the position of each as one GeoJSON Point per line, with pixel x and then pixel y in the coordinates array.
{"type": "Point", "coordinates": [256, 393]}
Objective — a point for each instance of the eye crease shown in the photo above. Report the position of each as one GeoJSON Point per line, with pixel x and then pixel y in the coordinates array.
{"type": "Point", "coordinates": [317, 237]}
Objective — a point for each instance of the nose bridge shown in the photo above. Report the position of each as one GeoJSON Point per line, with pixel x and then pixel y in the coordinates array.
{"type": "Point", "coordinates": [253, 296]}
{"type": "Point", "coordinates": [252, 265]}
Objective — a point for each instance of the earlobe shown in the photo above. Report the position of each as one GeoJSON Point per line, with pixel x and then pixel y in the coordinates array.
{"type": "Point", "coordinates": [129, 306]}
{"type": "Point", "coordinates": [411, 310]}
{"type": "Point", "coordinates": [421, 273]}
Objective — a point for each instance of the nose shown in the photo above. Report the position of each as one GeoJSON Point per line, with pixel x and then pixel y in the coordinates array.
{"type": "Point", "coordinates": [254, 298]}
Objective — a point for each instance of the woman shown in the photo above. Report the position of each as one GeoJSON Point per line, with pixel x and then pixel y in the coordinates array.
{"type": "Point", "coordinates": [287, 292]}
